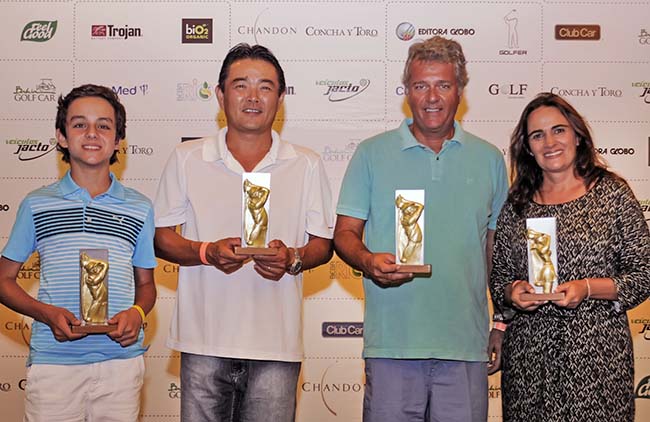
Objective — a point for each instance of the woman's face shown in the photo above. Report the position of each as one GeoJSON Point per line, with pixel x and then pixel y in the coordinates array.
{"type": "Point", "coordinates": [552, 141]}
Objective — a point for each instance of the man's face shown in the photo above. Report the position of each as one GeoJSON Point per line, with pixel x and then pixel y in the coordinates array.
{"type": "Point", "coordinates": [91, 131]}
{"type": "Point", "coordinates": [432, 94]}
{"type": "Point", "coordinates": [250, 96]}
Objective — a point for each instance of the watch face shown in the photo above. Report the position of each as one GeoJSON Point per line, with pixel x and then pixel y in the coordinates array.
{"type": "Point", "coordinates": [296, 267]}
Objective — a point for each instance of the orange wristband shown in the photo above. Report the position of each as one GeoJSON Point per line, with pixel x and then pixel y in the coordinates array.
{"type": "Point", "coordinates": [202, 250]}
{"type": "Point", "coordinates": [499, 326]}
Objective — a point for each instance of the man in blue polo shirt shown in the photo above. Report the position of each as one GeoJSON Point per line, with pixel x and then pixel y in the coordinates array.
{"type": "Point", "coordinates": [425, 338]}
{"type": "Point", "coordinates": [73, 376]}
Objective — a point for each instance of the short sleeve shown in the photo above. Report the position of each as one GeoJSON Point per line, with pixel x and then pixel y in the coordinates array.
{"type": "Point", "coordinates": [22, 240]}
{"type": "Point", "coordinates": [320, 207]}
{"type": "Point", "coordinates": [144, 255]}
{"type": "Point", "coordinates": [354, 197]}
{"type": "Point", "coordinates": [171, 200]}
{"type": "Point", "coordinates": [500, 191]}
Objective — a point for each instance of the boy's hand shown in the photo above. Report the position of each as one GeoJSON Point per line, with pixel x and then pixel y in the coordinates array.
{"type": "Point", "coordinates": [59, 320]}
{"type": "Point", "coordinates": [128, 323]}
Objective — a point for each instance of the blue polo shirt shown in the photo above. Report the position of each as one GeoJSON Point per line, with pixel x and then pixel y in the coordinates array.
{"type": "Point", "coordinates": [57, 221]}
{"type": "Point", "coordinates": [444, 316]}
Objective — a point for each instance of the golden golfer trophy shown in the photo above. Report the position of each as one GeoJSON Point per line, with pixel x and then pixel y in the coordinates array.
{"type": "Point", "coordinates": [256, 192]}
{"type": "Point", "coordinates": [542, 259]}
{"type": "Point", "coordinates": [409, 232]}
{"type": "Point", "coordinates": [93, 292]}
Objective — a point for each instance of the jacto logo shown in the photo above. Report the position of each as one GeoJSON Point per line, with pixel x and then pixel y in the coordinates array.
{"type": "Point", "coordinates": [645, 90]}
{"type": "Point", "coordinates": [405, 31]}
{"type": "Point", "coordinates": [643, 322]}
{"type": "Point", "coordinates": [340, 90]}
{"type": "Point", "coordinates": [577, 32]}
{"type": "Point", "coordinates": [643, 389]}
{"type": "Point", "coordinates": [39, 31]}
{"type": "Point", "coordinates": [196, 31]}
{"type": "Point", "coordinates": [30, 149]}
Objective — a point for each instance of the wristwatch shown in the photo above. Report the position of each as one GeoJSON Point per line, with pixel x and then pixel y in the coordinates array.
{"type": "Point", "coordinates": [296, 266]}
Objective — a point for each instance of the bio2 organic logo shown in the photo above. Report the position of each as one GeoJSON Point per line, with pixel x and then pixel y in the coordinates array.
{"type": "Point", "coordinates": [39, 31]}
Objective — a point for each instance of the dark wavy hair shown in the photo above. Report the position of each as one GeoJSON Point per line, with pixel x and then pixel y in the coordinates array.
{"type": "Point", "coordinates": [526, 175]}
{"type": "Point", "coordinates": [90, 90]}
{"type": "Point", "coordinates": [257, 52]}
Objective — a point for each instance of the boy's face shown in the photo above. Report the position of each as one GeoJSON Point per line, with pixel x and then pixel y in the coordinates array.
{"type": "Point", "coordinates": [90, 127]}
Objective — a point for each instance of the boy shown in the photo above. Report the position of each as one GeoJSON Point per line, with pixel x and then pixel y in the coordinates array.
{"type": "Point", "coordinates": [74, 376]}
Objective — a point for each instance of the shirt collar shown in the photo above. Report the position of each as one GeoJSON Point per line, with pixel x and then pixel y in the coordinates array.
{"type": "Point", "coordinates": [409, 141]}
{"type": "Point", "coordinates": [69, 187]}
{"type": "Point", "coordinates": [215, 149]}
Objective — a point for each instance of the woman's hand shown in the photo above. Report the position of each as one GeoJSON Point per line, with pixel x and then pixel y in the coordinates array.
{"type": "Point", "coordinates": [513, 296]}
{"type": "Point", "coordinates": [575, 292]}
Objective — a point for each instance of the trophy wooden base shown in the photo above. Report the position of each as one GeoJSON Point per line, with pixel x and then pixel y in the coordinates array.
{"type": "Point", "coordinates": [93, 328]}
{"type": "Point", "coordinates": [415, 269]}
{"type": "Point", "coordinates": [255, 251]}
{"type": "Point", "coordinates": [541, 296]}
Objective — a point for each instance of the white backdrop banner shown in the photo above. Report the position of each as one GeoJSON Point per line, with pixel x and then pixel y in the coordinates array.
{"type": "Point", "coordinates": [343, 62]}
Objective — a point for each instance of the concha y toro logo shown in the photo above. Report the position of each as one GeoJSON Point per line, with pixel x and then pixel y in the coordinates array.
{"type": "Point", "coordinates": [39, 31]}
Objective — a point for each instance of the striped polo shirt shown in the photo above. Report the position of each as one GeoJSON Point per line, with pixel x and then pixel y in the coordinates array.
{"type": "Point", "coordinates": [58, 221]}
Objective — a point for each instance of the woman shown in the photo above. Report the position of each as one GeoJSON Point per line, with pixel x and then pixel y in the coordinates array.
{"type": "Point", "coordinates": [570, 359]}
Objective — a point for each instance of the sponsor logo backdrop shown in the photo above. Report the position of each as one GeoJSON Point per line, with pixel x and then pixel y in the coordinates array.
{"type": "Point", "coordinates": [343, 61]}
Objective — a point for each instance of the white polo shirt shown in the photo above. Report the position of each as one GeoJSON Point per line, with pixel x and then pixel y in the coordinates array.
{"type": "Point", "coordinates": [240, 315]}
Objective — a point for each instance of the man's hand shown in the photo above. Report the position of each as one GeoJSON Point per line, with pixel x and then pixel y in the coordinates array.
{"type": "Point", "coordinates": [381, 267]}
{"type": "Point", "coordinates": [273, 267]}
{"type": "Point", "coordinates": [494, 350]}
{"type": "Point", "coordinates": [222, 255]}
{"type": "Point", "coordinates": [59, 320]}
{"type": "Point", "coordinates": [128, 323]}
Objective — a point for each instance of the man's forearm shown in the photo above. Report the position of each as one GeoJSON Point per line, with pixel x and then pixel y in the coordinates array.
{"type": "Point", "coordinates": [350, 248]}
{"type": "Point", "coordinates": [316, 252]}
{"type": "Point", "coordinates": [173, 247]}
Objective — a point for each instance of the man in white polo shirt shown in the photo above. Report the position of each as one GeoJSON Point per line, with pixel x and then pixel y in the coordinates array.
{"type": "Point", "coordinates": [237, 319]}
